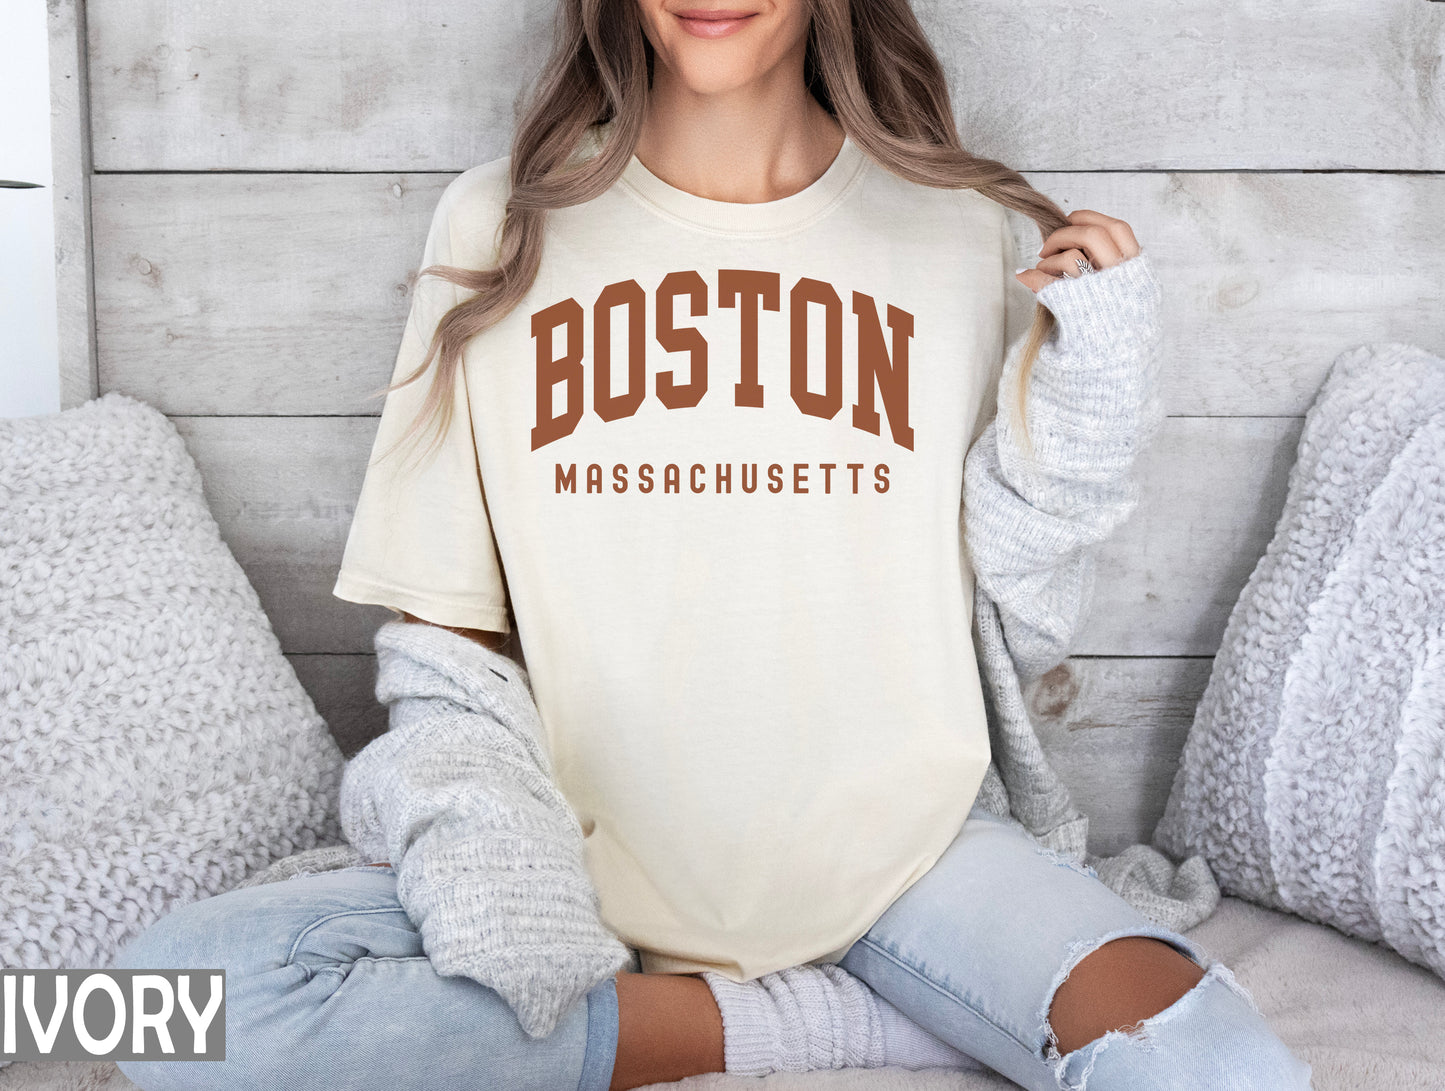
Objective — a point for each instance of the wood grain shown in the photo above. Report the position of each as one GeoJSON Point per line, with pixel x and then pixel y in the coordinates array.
{"type": "Point", "coordinates": [258, 294]}
{"type": "Point", "coordinates": [367, 85]}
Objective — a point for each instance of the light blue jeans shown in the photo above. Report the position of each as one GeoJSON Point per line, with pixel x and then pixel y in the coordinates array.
{"type": "Point", "coordinates": [327, 986]}
{"type": "Point", "coordinates": [974, 950]}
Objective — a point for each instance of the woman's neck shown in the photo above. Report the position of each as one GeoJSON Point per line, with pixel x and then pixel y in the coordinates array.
{"type": "Point", "coordinates": [749, 146]}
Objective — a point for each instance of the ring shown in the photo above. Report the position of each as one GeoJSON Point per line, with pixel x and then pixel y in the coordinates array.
{"type": "Point", "coordinates": [1085, 266]}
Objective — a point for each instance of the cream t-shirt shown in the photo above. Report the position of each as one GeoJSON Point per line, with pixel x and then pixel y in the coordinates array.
{"type": "Point", "coordinates": [713, 463]}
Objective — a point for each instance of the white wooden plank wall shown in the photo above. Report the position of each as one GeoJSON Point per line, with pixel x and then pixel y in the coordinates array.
{"type": "Point", "coordinates": [264, 174]}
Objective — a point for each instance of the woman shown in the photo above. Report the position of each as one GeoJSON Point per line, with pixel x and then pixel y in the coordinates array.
{"type": "Point", "coordinates": [732, 315]}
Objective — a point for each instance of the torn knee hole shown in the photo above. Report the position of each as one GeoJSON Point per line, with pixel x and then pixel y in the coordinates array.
{"type": "Point", "coordinates": [1078, 951]}
{"type": "Point", "coordinates": [1139, 1029]}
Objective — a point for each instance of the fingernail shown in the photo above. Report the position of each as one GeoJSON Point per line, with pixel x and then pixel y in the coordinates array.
{"type": "Point", "coordinates": [1022, 269]}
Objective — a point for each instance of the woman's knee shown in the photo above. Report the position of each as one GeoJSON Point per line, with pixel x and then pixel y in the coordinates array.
{"type": "Point", "coordinates": [1211, 1033]}
{"type": "Point", "coordinates": [190, 936]}
{"type": "Point", "coordinates": [271, 942]}
{"type": "Point", "coordinates": [254, 929]}
{"type": "Point", "coordinates": [1118, 984]}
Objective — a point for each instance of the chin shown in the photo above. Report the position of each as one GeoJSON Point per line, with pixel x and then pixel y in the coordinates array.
{"type": "Point", "coordinates": [711, 77]}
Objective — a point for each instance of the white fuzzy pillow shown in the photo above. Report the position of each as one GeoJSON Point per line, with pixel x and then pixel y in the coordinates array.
{"type": "Point", "coordinates": [155, 745]}
{"type": "Point", "coordinates": [1313, 778]}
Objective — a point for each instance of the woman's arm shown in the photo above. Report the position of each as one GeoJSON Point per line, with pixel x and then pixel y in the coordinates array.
{"type": "Point", "coordinates": [457, 794]}
{"type": "Point", "coordinates": [487, 638]}
{"type": "Point", "coordinates": [1032, 522]}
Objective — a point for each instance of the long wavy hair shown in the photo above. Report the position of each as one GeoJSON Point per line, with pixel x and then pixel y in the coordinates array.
{"type": "Point", "coordinates": [868, 63]}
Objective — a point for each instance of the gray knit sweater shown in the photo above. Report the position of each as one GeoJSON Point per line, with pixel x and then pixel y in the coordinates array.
{"type": "Point", "coordinates": [458, 793]}
{"type": "Point", "coordinates": [1031, 527]}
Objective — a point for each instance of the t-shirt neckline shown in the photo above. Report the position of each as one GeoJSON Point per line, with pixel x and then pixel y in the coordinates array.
{"type": "Point", "coordinates": [788, 213]}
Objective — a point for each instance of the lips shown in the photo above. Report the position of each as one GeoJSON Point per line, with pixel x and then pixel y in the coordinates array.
{"type": "Point", "coordinates": [713, 23]}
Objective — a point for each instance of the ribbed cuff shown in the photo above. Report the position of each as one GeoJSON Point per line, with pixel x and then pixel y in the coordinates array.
{"type": "Point", "coordinates": [799, 1019]}
{"type": "Point", "coordinates": [859, 1033]}
{"type": "Point", "coordinates": [1105, 304]}
{"type": "Point", "coordinates": [750, 1026]}
{"type": "Point", "coordinates": [455, 657]}
{"type": "Point", "coordinates": [1092, 399]}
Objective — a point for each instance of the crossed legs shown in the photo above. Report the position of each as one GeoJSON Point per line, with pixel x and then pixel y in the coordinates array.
{"type": "Point", "coordinates": [670, 1028]}
{"type": "Point", "coordinates": [1003, 953]}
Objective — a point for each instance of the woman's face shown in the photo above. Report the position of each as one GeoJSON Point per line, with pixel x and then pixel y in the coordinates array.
{"type": "Point", "coordinates": [711, 46]}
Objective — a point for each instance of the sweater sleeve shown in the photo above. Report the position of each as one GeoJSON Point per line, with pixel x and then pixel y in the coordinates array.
{"type": "Point", "coordinates": [459, 796]}
{"type": "Point", "coordinates": [1032, 522]}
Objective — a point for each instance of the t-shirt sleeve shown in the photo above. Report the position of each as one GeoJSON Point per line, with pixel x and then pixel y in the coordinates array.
{"type": "Point", "coordinates": [421, 538]}
{"type": "Point", "coordinates": [1019, 300]}
{"type": "Point", "coordinates": [1018, 315]}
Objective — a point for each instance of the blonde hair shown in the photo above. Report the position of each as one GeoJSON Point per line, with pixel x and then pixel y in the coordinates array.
{"type": "Point", "coordinates": [868, 63]}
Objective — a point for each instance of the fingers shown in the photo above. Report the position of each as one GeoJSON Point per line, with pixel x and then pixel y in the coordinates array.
{"type": "Point", "coordinates": [1103, 240]}
{"type": "Point", "coordinates": [1098, 239]}
{"type": "Point", "coordinates": [1034, 279]}
{"type": "Point", "coordinates": [1062, 264]}
{"type": "Point", "coordinates": [1066, 263]}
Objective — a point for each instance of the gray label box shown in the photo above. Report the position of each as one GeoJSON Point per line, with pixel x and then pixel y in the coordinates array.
{"type": "Point", "coordinates": [125, 1015]}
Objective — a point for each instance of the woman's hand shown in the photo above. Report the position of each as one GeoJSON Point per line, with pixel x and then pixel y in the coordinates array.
{"type": "Point", "coordinates": [1102, 240]}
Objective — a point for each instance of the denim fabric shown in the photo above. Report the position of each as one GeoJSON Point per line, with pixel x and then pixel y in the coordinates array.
{"type": "Point", "coordinates": [975, 949]}
{"type": "Point", "coordinates": [327, 985]}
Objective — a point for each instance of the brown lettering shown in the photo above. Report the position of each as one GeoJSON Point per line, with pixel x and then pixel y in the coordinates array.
{"type": "Point", "coordinates": [875, 366]}
{"type": "Point", "coordinates": [753, 288]}
{"type": "Point", "coordinates": [691, 340]}
{"type": "Point", "coordinates": [826, 404]}
{"type": "Point", "coordinates": [882, 364]}
{"type": "Point", "coordinates": [552, 370]}
{"type": "Point", "coordinates": [629, 294]}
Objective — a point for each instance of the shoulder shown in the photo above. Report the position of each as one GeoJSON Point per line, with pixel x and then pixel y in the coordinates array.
{"type": "Point", "coordinates": [979, 204]}
{"type": "Point", "coordinates": [471, 209]}
{"type": "Point", "coordinates": [977, 216]}
{"type": "Point", "coordinates": [933, 216]}
{"type": "Point", "coordinates": [1011, 228]}
{"type": "Point", "coordinates": [481, 188]}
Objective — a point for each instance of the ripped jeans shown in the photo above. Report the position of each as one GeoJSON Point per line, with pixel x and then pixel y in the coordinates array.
{"type": "Point", "coordinates": [974, 951]}
{"type": "Point", "coordinates": [328, 986]}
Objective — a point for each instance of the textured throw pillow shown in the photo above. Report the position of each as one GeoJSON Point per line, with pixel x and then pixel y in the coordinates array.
{"type": "Point", "coordinates": [1313, 778]}
{"type": "Point", "coordinates": [155, 745]}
